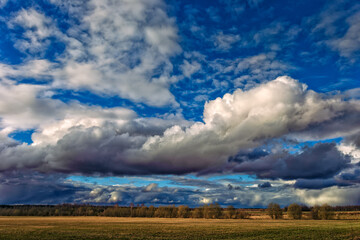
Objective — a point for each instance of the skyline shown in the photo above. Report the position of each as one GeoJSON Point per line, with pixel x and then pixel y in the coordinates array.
{"type": "Point", "coordinates": [241, 102]}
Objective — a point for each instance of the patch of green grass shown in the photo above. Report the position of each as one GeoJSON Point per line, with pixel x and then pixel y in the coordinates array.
{"type": "Point", "coordinates": [33, 228]}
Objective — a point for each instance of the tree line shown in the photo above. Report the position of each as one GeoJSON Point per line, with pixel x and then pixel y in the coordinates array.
{"type": "Point", "coordinates": [295, 211]}
{"type": "Point", "coordinates": [211, 211]}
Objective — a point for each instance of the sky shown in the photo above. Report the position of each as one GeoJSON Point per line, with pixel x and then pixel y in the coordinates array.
{"type": "Point", "coordinates": [157, 102]}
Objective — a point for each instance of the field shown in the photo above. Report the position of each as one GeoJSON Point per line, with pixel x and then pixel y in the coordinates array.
{"type": "Point", "coordinates": [156, 228]}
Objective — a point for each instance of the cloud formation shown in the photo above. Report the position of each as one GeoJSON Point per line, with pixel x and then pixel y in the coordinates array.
{"type": "Point", "coordinates": [126, 51]}
{"type": "Point", "coordinates": [320, 161]}
{"type": "Point", "coordinates": [128, 88]}
{"type": "Point", "coordinates": [92, 140]}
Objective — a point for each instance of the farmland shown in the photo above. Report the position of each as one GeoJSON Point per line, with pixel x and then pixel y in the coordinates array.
{"type": "Point", "coordinates": [32, 228]}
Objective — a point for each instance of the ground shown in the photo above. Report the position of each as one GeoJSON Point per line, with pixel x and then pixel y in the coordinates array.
{"type": "Point", "coordinates": [30, 228]}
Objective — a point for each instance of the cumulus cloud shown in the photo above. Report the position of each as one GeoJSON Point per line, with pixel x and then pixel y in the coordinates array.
{"type": "Point", "coordinates": [113, 141]}
{"type": "Point", "coordinates": [26, 106]}
{"type": "Point", "coordinates": [321, 161]}
{"type": "Point", "coordinates": [334, 196]}
{"type": "Point", "coordinates": [245, 119]}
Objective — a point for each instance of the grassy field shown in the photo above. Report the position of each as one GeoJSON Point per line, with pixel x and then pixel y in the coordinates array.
{"type": "Point", "coordinates": [154, 228]}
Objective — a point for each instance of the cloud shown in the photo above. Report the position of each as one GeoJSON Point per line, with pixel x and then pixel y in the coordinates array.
{"type": "Point", "coordinates": [246, 119]}
{"type": "Point", "coordinates": [37, 29]}
{"type": "Point", "coordinates": [151, 187]}
{"type": "Point", "coordinates": [27, 187]}
{"type": "Point", "coordinates": [224, 42]}
{"type": "Point", "coordinates": [349, 44]}
{"type": "Point", "coordinates": [128, 43]}
{"type": "Point", "coordinates": [24, 187]}
{"type": "Point", "coordinates": [83, 136]}
{"type": "Point", "coordinates": [318, 183]}
{"type": "Point", "coordinates": [337, 26]}
{"type": "Point", "coordinates": [38, 69]}
{"type": "Point", "coordinates": [334, 196]}
{"type": "Point", "coordinates": [189, 69]}
{"type": "Point", "coordinates": [27, 106]}
{"type": "Point", "coordinates": [120, 48]}
{"type": "Point", "coordinates": [323, 160]}
{"type": "Point", "coordinates": [3, 3]}
{"type": "Point", "coordinates": [264, 185]}
{"type": "Point", "coordinates": [262, 67]}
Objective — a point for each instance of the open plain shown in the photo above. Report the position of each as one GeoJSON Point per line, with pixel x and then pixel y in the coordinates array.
{"type": "Point", "coordinates": [31, 228]}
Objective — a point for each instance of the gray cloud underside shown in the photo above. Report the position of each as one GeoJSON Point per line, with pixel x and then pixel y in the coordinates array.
{"type": "Point", "coordinates": [321, 161]}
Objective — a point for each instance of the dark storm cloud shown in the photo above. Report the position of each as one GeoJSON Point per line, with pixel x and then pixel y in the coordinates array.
{"type": "Point", "coordinates": [264, 185]}
{"type": "Point", "coordinates": [247, 155]}
{"type": "Point", "coordinates": [352, 176]}
{"type": "Point", "coordinates": [353, 139]}
{"type": "Point", "coordinates": [24, 187]}
{"type": "Point", "coordinates": [323, 160]}
{"type": "Point", "coordinates": [317, 183]}
{"type": "Point", "coordinates": [344, 124]}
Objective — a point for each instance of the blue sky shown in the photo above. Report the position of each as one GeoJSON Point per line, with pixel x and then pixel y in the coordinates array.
{"type": "Point", "coordinates": [241, 102]}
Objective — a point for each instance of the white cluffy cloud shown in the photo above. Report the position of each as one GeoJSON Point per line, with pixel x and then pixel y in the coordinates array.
{"type": "Point", "coordinates": [27, 106]}
{"type": "Point", "coordinates": [246, 119]}
{"type": "Point", "coordinates": [125, 52]}
{"type": "Point", "coordinates": [79, 138]}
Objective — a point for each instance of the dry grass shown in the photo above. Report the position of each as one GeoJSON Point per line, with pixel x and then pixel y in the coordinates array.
{"type": "Point", "coordinates": [155, 228]}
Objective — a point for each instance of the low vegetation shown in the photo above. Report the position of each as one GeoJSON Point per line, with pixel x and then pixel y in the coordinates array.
{"type": "Point", "coordinates": [106, 228]}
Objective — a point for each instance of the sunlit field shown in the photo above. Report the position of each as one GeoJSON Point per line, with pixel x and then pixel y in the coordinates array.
{"type": "Point", "coordinates": [159, 228]}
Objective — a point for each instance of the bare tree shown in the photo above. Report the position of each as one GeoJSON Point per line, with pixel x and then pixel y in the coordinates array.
{"type": "Point", "coordinates": [274, 211]}
{"type": "Point", "coordinates": [294, 211]}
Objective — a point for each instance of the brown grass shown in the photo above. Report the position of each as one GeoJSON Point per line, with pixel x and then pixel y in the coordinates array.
{"type": "Point", "coordinates": [160, 228]}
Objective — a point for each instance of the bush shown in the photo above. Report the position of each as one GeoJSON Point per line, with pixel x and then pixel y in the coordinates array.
{"type": "Point", "coordinates": [274, 211]}
{"type": "Point", "coordinates": [294, 211]}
